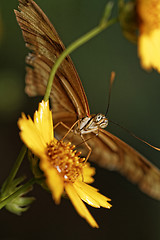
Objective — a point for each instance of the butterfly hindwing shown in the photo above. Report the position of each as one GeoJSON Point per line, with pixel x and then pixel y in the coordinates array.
{"type": "Point", "coordinates": [112, 153]}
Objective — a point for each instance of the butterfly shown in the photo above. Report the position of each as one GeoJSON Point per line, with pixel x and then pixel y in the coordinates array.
{"type": "Point", "coordinates": [69, 102]}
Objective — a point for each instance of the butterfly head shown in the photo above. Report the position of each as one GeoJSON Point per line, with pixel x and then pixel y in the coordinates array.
{"type": "Point", "coordinates": [92, 123]}
{"type": "Point", "coordinates": [100, 120]}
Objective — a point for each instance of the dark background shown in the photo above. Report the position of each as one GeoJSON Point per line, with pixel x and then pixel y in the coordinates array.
{"type": "Point", "coordinates": [134, 104]}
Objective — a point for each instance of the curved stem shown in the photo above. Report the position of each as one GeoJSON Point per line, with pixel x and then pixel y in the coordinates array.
{"type": "Point", "coordinates": [15, 168]}
{"type": "Point", "coordinates": [103, 25]}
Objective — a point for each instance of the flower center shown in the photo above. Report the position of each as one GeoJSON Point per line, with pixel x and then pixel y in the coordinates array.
{"type": "Point", "coordinates": [66, 160]}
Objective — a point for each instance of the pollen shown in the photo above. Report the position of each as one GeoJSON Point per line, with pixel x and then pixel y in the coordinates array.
{"type": "Point", "coordinates": [66, 160]}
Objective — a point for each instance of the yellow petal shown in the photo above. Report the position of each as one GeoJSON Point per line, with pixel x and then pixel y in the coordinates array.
{"type": "Point", "coordinates": [87, 179]}
{"type": "Point", "coordinates": [101, 199]}
{"type": "Point", "coordinates": [31, 136]}
{"type": "Point", "coordinates": [53, 179]}
{"type": "Point", "coordinates": [43, 121]}
{"type": "Point", "coordinates": [87, 174]}
{"type": "Point", "coordinates": [148, 12]}
{"type": "Point", "coordinates": [79, 205]}
{"type": "Point", "coordinates": [85, 197]}
{"type": "Point", "coordinates": [149, 50]}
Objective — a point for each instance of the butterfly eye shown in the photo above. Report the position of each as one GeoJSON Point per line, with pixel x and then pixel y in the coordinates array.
{"type": "Point", "coordinates": [98, 118]}
{"type": "Point", "coordinates": [104, 123]}
{"type": "Point", "coordinates": [101, 120]}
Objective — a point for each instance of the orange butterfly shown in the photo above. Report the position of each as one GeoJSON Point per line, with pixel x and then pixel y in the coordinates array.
{"type": "Point", "coordinates": [69, 102]}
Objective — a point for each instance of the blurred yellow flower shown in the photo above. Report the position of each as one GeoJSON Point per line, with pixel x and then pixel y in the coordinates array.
{"type": "Point", "coordinates": [148, 12]}
{"type": "Point", "coordinates": [64, 170]}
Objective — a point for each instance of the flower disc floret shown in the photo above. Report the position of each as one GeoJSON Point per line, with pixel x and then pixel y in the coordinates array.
{"type": "Point", "coordinates": [66, 160]}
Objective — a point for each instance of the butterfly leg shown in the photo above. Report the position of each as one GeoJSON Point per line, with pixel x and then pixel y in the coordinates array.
{"type": "Point", "coordinates": [85, 142]}
{"type": "Point", "coordinates": [61, 123]}
{"type": "Point", "coordinates": [89, 148]}
{"type": "Point", "coordinates": [65, 126]}
{"type": "Point", "coordinates": [70, 129]}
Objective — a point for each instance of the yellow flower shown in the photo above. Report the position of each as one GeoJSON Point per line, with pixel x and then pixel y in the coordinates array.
{"type": "Point", "coordinates": [148, 12]}
{"type": "Point", "coordinates": [64, 170]}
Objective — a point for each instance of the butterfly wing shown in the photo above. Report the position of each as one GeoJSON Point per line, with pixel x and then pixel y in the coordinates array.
{"type": "Point", "coordinates": [112, 153]}
{"type": "Point", "coordinates": [69, 100]}
{"type": "Point", "coordinates": [67, 95]}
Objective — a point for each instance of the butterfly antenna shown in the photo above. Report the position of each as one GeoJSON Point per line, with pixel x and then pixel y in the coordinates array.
{"type": "Point", "coordinates": [110, 88]}
{"type": "Point", "coordinates": [132, 134]}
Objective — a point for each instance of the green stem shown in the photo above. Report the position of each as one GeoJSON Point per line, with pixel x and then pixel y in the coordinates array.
{"type": "Point", "coordinates": [20, 191]}
{"type": "Point", "coordinates": [71, 48]}
{"type": "Point", "coordinates": [15, 168]}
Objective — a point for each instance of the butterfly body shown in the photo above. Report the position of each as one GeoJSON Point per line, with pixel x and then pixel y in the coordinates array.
{"type": "Point", "coordinates": [69, 102]}
{"type": "Point", "coordinates": [91, 124]}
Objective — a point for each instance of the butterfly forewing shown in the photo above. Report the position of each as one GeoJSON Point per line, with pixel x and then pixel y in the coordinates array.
{"type": "Point", "coordinates": [41, 37]}
{"type": "Point", "coordinates": [69, 101]}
